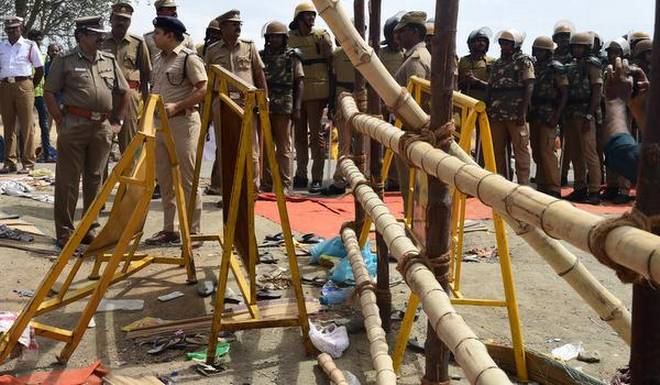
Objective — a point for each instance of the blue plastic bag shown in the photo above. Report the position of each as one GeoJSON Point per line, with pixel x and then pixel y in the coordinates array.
{"type": "Point", "coordinates": [343, 273]}
{"type": "Point", "coordinates": [332, 247]}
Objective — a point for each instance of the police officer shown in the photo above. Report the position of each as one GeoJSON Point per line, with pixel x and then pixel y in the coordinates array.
{"type": "Point", "coordinates": [585, 84]}
{"type": "Point", "coordinates": [19, 58]}
{"type": "Point", "coordinates": [132, 56]}
{"type": "Point", "coordinates": [548, 102]}
{"type": "Point", "coordinates": [510, 88]}
{"type": "Point", "coordinates": [179, 77]}
{"type": "Point", "coordinates": [563, 31]}
{"type": "Point", "coordinates": [642, 55]}
{"type": "Point", "coordinates": [430, 32]}
{"type": "Point", "coordinates": [165, 8]}
{"type": "Point", "coordinates": [342, 80]}
{"type": "Point", "coordinates": [240, 56]}
{"type": "Point", "coordinates": [284, 75]}
{"type": "Point", "coordinates": [411, 30]}
{"type": "Point", "coordinates": [211, 35]}
{"type": "Point", "coordinates": [636, 37]}
{"type": "Point", "coordinates": [316, 47]}
{"type": "Point", "coordinates": [473, 68]}
{"type": "Point", "coordinates": [87, 79]}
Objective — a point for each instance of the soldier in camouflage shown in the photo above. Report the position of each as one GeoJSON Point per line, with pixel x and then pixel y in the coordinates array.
{"type": "Point", "coordinates": [642, 56]}
{"type": "Point", "coordinates": [548, 102]}
{"type": "Point", "coordinates": [284, 75]}
{"type": "Point", "coordinates": [585, 83]}
{"type": "Point", "coordinates": [510, 88]}
{"type": "Point", "coordinates": [562, 33]}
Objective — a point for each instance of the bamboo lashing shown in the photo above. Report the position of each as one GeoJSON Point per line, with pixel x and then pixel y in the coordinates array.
{"type": "Point", "coordinates": [366, 288]}
{"type": "Point", "coordinates": [627, 246]}
{"type": "Point", "coordinates": [569, 267]}
{"type": "Point", "coordinates": [470, 353]}
{"type": "Point", "coordinates": [335, 375]}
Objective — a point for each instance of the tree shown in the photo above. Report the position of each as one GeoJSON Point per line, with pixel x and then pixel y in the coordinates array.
{"type": "Point", "coordinates": [55, 18]}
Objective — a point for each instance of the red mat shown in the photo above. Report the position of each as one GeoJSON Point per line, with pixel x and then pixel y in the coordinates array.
{"type": "Point", "coordinates": [324, 216]}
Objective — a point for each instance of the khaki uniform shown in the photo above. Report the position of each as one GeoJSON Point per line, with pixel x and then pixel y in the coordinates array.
{"type": "Point", "coordinates": [317, 52]}
{"type": "Point", "coordinates": [153, 50]}
{"type": "Point", "coordinates": [133, 59]}
{"type": "Point", "coordinates": [480, 69]}
{"type": "Point", "coordinates": [581, 142]}
{"type": "Point", "coordinates": [391, 58]}
{"type": "Point", "coordinates": [344, 74]}
{"type": "Point", "coordinates": [83, 144]}
{"type": "Point", "coordinates": [507, 88]}
{"type": "Point", "coordinates": [242, 60]}
{"type": "Point", "coordinates": [417, 62]}
{"type": "Point", "coordinates": [174, 78]}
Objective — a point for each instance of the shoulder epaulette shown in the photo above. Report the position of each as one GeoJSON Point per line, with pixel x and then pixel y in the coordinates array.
{"type": "Point", "coordinates": [136, 37]}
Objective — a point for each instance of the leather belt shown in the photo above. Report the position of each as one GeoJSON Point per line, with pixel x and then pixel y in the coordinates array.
{"type": "Point", "coordinates": [85, 113]}
{"type": "Point", "coordinates": [14, 79]}
{"type": "Point", "coordinates": [133, 84]}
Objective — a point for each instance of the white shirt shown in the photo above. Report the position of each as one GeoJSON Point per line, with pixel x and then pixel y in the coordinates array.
{"type": "Point", "coordinates": [19, 59]}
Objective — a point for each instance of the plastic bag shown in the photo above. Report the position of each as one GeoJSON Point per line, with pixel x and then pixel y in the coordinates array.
{"type": "Point", "coordinates": [331, 339]}
{"type": "Point", "coordinates": [332, 247]}
{"type": "Point", "coordinates": [343, 273]}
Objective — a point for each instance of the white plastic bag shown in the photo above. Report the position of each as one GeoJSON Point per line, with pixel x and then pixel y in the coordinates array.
{"type": "Point", "coordinates": [331, 339]}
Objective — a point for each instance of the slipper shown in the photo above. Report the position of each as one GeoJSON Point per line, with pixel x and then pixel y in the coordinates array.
{"type": "Point", "coordinates": [231, 297]}
{"type": "Point", "coordinates": [309, 238]}
{"type": "Point", "coordinates": [415, 346]}
{"type": "Point", "coordinates": [275, 237]}
{"type": "Point", "coordinates": [316, 281]}
{"type": "Point", "coordinates": [209, 370]}
{"type": "Point", "coordinates": [266, 294]}
{"type": "Point", "coordinates": [206, 287]}
{"type": "Point", "coordinates": [267, 258]}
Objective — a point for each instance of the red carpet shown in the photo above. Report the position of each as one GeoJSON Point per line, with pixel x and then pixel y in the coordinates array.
{"type": "Point", "coordinates": [324, 216]}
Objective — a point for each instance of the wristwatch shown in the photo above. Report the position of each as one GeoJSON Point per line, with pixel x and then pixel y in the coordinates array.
{"type": "Point", "coordinates": [589, 117]}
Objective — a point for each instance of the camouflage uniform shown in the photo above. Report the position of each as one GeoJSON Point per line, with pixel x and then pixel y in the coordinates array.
{"type": "Point", "coordinates": [550, 77]}
{"type": "Point", "coordinates": [582, 74]}
{"type": "Point", "coordinates": [507, 90]}
{"type": "Point", "coordinates": [281, 70]}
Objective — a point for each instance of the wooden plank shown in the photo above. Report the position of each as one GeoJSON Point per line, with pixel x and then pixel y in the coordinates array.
{"type": "Point", "coordinates": [270, 312]}
{"type": "Point", "coordinates": [541, 368]}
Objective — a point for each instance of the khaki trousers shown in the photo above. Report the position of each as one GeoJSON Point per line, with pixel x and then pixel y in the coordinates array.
{"type": "Point", "coordinates": [216, 172]}
{"type": "Point", "coordinates": [519, 137]}
{"type": "Point", "coordinates": [130, 127]}
{"type": "Point", "coordinates": [310, 122]}
{"type": "Point", "coordinates": [542, 140]}
{"type": "Point", "coordinates": [16, 103]}
{"type": "Point", "coordinates": [584, 156]}
{"type": "Point", "coordinates": [82, 148]}
{"type": "Point", "coordinates": [345, 140]}
{"type": "Point", "coordinates": [281, 128]}
{"type": "Point", "coordinates": [185, 133]}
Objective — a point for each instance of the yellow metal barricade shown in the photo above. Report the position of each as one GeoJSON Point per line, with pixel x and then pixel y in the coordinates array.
{"type": "Point", "coordinates": [470, 111]}
{"type": "Point", "coordinates": [248, 103]}
{"type": "Point", "coordinates": [117, 241]}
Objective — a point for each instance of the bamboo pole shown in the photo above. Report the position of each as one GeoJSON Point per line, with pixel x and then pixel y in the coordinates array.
{"type": "Point", "coordinates": [569, 267]}
{"type": "Point", "coordinates": [380, 357]}
{"type": "Point", "coordinates": [628, 246]}
{"type": "Point", "coordinates": [383, 293]}
{"type": "Point", "coordinates": [449, 326]}
{"type": "Point", "coordinates": [360, 93]}
{"type": "Point", "coordinates": [645, 347]}
{"type": "Point", "coordinates": [335, 375]}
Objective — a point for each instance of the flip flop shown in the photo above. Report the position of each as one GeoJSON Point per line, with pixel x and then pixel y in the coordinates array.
{"type": "Point", "coordinates": [265, 294]}
{"type": "Point", "coordinates": [275, 237]}
{"type": "Point", "coordinates": [316, 281]}
{"type": "Point", "coordinates": [267, 258]}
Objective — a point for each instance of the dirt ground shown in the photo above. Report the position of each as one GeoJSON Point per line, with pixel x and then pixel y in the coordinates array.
{"type": "Point", "coordinates": [551, 313]}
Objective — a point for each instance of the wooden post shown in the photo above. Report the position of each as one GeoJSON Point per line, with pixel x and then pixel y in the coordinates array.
{"type": "Point", "coordinates": [383, 294]}
{"type": "Point", "coordinates": [438, 211]}
{"type": "Point", "coordinates": [360, 95]}
{"type": "Point", "coordinates": [645, 346]}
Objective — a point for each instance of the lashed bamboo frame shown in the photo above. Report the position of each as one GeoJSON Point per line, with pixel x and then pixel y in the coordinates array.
{"type": "Point", "coordinates": [376, 336]}
{"type": "Point", "coordinates": [469, 351]}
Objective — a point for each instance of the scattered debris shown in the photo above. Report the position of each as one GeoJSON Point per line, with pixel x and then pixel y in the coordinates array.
{"type": "Point", "coordinates": [207, 287]}
{"type": "Point", "coordinates": [24, 293]}
{"type": "Point", "coordinates": [550, 340]}
{"type": "Point", "coordinates": [221, 349]}
{"type": "Point", "coordinates": [331, 339]}
{"type": "Point", "coordinates": [120, 304]}
{"type": "Point", "coordinates": [481, 254]}
{"type": "Point", "coordinates": [567, 352]}
{"type": "Point", "coordinates": [318, 280]}
{"type": "Point", "coordinates": [142, 323]}
{"type": "Point", "coordinates": [209, 370]}
{"type": "Point", "coordinates": [231, 297]}
{"type": "Point", "coordinates": [589, 357]}
{"type": "Point", "coordinates": [273, 278]}
{"type": "Point", "coordinates": [19, 188]}
{"type": "Point", "coordinates": [7, 232]}
{"type": "Point", "coordinates": [265, 294]}
{"type": "Point", "coordinates": [27, 342]}
{"type": "Point", "coordinates": [91, 324]}
{"type": "Point", "coordinates": [267, 258]}
{"type": "Point", "coordinates": [171, 296]}
{"type": "Point", "coordinates": [178, 340]}
{"type": "Point", "coordinates": [331, 294]}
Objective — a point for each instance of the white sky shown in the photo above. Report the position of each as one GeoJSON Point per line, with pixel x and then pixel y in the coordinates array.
{"type": "Point", "coordinates": [610, 18]}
